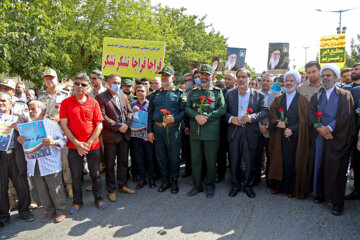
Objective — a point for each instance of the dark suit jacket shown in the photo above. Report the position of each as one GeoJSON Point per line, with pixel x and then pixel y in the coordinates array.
{"type": "Point", "coordinates": [112, 117]}
{"type": "Point", "coordinates": [19, 151]}
{"type": "Point", "coordinates": [260, 111]}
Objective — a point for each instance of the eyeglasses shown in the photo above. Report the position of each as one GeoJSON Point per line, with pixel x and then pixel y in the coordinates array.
{"type": "Point", "coordinates": [93, 78]}
{"type": "Point", "coordinates": [5, 88]}
{"type": "Point", "coordinates": [82, 84]}
{"type": "Point", "coordinates": [326, 75]}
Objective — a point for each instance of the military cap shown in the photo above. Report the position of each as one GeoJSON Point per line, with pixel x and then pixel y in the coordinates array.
{"type": "Point", "coordinates": [8, 83]}
{"type": "Point", "coordinates": [206, 68]}
{"type": "Point", "coordinates": [127, 81]}
{"type": "Point", "coordinates": [168, 70]}
{"type": "Point", "coordinates": [49, 72]}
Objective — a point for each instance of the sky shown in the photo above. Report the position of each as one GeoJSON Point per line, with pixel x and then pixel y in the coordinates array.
{"type": "Point", "coordinates": [253, 24]}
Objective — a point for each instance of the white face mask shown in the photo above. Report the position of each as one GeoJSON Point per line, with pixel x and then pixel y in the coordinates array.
{"type": "Point", "coordinates": [115, 88]}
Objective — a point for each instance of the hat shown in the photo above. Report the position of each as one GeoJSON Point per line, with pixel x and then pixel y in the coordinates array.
{"type": "Point", "coordinates": [294, 73]}
{"type": "Point", "coordinates": [127, 81]}
{"type": "Point", "coordinates": [333, 67]}
{"type": "Point", "coordinates": [356, 64]}
{"type": "Point", "coordinates": [206, 68]}
{"type": "Point", "coordinates": [168, 70]}
{"type": "Point", "coordinates": [8, 82]}
{"type": "Point", "coordinates": [49, 72]}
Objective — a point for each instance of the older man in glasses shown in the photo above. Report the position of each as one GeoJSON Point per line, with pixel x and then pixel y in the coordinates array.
{"type": "Point", "coordinates": [81, 121]}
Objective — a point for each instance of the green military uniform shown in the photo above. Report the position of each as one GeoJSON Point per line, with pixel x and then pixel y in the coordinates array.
{"type": "Point", "coordinates": [204, 139]}
{"type": "Point", "coordinates": [167, 152]}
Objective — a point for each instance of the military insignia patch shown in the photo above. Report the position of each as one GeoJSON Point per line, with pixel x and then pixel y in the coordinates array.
{"type": "Point", "coordinates": [184, 98]}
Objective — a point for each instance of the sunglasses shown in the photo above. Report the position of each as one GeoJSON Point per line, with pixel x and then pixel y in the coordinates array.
{"type": "Point", "coordinates": [82, 84]}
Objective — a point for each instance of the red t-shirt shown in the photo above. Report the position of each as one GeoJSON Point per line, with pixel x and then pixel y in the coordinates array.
{"type": "Point", "coordinates": [82, 119]}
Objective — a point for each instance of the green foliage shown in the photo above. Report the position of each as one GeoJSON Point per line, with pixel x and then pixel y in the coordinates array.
{"type": "Point", "coordinates": [354, 56]}
{"type": "Point", "coordinates": [67, 35]}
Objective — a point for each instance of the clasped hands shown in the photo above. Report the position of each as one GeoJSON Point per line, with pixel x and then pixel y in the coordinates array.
{"type": "Point", "coordinates": [201, 119]}
{"type": "Point", "coordinates": [239, 122]}
{"type": "Point", "coordinates": [287, 131]}
{"type": "Point", "coordinates": [325, 132]}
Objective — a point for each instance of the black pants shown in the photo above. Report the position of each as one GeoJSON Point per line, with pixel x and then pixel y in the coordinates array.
{"type": "Point", "coordinates": [185, 151]}
{"type": "Point", "coordinates": [144, 155]}
{"type": "Point", "coordinates": [356, 166]}
{"type": "Point", "coordinates": [242, 160]}
{"type": "Point", "coordinates": [259, 158]}
{"type": "Point", "coordinates": [119, 151]}
{"type": "Point", "coordinates": [9, 169]}
{"type": "Point", "coordinates": [76, 163]}
{"type": "Point", "coordinates": [223, 149]}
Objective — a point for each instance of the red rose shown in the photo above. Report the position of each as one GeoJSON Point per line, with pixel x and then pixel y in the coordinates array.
{"type": "Point", "coordinates": [281, 110]}
{"type": "Point", "coordinates": [57, 106]}
{"type": "Point", "coordinates": [249, 111]}
{"type": "Point", "coordinates": [202, 98]}
{"type": "Point", "coordinates": [168, 113]}
{"type": "Point", "coordinates": [209, 100]}
{"type": "Point", "coordinates": [318, 114]}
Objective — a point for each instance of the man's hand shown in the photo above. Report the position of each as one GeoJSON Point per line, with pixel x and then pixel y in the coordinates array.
{"type": "Point", "coordinates": [328, 136]}
{"type": "Point", "coordinates": [287, 132]}
{"type": "Point", "coordinates": [83, 148]}
{"type": "Point", "coordinates": [236, 121]}
{"type": "Point", "coordinates": [169, 119]}
{"type": "Point", "coordinates": [55, 119]}
{"type": "Point", "coordinates": [136, 108]}
{"type": "Point", "coordinates": [21, 139]}
{"type": "Point", "coordinates": [123, 128]}
{"type": "Point", "coordinates": [263, 128]}
{"type": "Point", "coordinates": [14, 126]}
{"type": "Point", "coordinates": [201, 119]}
{"type": "Point", "coordinates": [281, 125]}
{"type": "Point", "coordinates": [246, 118]}
{"type": "Point", "coordinates": [323, 131]}
{"type": "Point", "coordinates": [187, 131]}
{"type": "Point", "coordinates": [48, 141]}
{"type": "Point", "coordinates": [287, 60]}
{"type": "Point", "coordinates": [150, 137]}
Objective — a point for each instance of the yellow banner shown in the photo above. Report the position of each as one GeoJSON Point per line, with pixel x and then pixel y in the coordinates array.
{"type": "Point", "coordinates": [132, 58]}
{"type": "Point", "coordinates": [332, 50]}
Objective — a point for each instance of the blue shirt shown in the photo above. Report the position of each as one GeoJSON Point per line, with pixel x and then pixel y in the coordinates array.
{"type": "Point", "coordinates": [266, 96]}
{"type": "Point", "coordinates": [49, 164]}
{"type": "Point", "coordinates": [243, 103]}
{"type": "Point", "coordinates": [142, 107]}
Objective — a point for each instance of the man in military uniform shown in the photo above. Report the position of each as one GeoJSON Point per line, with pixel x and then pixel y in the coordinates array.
{"type": "Point", "coordinates": [204, 130]}
{"type": "Point", "coordinates": [52, 99]}
{"type": "Point", "coordinates": [166, 130]}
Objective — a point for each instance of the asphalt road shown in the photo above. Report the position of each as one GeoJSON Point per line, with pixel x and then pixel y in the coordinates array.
{"type": "Point", "coordinates": [152, 215]}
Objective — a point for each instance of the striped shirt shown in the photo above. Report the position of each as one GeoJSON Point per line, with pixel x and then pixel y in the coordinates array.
{"type": "Point", "coordinates": [49, 164]}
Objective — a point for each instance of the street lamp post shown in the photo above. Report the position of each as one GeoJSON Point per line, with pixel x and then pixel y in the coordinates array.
{"type": "Point", "coordinates": [340, 13]}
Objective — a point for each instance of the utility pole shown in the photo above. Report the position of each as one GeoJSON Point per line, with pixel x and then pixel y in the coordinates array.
{"type": "Point", "coordinates": [338, 30]}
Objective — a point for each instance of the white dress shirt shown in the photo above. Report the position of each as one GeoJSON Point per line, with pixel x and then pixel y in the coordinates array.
{"type": "Point", "coordinates": [289, 98]}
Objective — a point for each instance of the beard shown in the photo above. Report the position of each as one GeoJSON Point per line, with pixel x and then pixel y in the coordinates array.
{"type": "Point", "coordinates": [273, 62]}
{"type": "Point", "coordinates": [230, 64]}
{"type": "Point", "coordinates": [289, 90]}
{"type": "Point", "coordinates": [245, 85]}
{"type": "Point", "coordinates": [205, 84]}
{"type": "Point", "coordinates": [329, 84]}
{"type": "Point", "coordinates": [35, 117]}
{"type": "Point", "coordinates": [355, 77]}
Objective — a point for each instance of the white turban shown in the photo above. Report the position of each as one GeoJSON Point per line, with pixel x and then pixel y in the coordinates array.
{"type": "Point", "coordinates": [294, 73]}
{"type": "Point", "coordinates": [333, 67]}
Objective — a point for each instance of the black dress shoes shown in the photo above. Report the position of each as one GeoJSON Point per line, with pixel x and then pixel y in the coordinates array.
{"type": "Point", "coordinates": [318, 199]}
{"type": "Point", "coordinates": [174, 186]}
{"type": "Point", "coordinates": [210, 193]}
{"type": "Point", "coordinates": [354, 195]}
{"type": "Point", "coordinates": [219, 179]}
{"type": "Point", "coordinates": [28, 217]}
{"type": "Point", "coordinates": [193, 192]}
{"type": "Point", "coordinates": [165, 185]}
{"type": "Point", "coordinates": [233, 192]}
{"type": "Point", "coordinates": [141, 184]}
{"type": "Point", "coordinates": [250, 193]}
{"type": "Point", "coordinates": [337, 210]}
{"type": "Point", "coordinates": [152, 184]}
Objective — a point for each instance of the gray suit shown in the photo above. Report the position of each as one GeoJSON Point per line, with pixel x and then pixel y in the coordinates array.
{"type": "Point", "coordinates": [244, 143]}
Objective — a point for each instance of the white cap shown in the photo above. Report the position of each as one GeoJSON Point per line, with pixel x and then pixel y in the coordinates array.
{"type": "Point", "coordinates": [49, 72]}
{"type": "Point", "coordinates": [8, 82]}
{"type": "Point", "coordinates": [333, 67]}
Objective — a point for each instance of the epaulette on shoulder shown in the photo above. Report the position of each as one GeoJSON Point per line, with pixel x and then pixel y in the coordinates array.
{"type": "Point", "coordinates": [217, 88]}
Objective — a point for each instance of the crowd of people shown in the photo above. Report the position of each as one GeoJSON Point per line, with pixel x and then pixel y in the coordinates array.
{"type": "Point", "coordinates": [300, 130]}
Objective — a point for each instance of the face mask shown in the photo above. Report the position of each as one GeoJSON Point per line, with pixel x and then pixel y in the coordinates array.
{"type": "Point", "coordinates": [189, 85]}
{"type": "Point", "coordinates": [198, 82]}
{"type": "Point", "coordinates": [115, 88]}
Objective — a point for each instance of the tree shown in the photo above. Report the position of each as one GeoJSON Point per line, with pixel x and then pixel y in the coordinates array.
{"type": "Point", "coordinates": [354, 56]}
